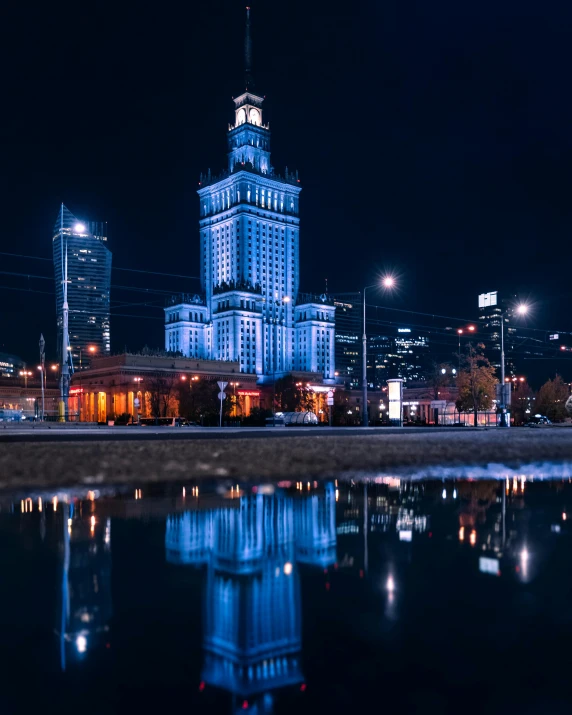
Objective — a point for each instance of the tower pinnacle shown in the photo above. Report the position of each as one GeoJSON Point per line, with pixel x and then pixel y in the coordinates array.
{"type": "Point", "coordinates": [248, 53]}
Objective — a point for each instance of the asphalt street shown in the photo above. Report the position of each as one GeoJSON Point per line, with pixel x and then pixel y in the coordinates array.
{"type": "Point", "coordinates": [72, 433]}
{"type": "Point", "coordinates": [50, 458]}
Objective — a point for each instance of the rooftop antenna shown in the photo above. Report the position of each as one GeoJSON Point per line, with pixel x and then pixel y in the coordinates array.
{"type": "Point", "coordinates": [248, 53]}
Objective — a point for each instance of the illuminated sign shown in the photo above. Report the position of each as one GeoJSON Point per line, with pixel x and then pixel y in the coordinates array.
{"type": "Point", "coordinates": [76, 390]}
{"type": "Point", "coordinates": [405, 535]}
{"type": "Point", "coordinates": [488, 299]}
{"type": "Point", "coordinates": [395, 391]}
{"type": "Point", "coordinates": [248, 393]}
{"type": "Point", "coordinates": [488, 565]}
{"type": "Point", "coordinates": [554, 336]}
{"type": "Point", "coordinates": [403, 330]}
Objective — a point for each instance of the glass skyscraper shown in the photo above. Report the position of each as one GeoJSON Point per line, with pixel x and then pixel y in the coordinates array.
{"type": "Point", "coordinates": [89, 279]}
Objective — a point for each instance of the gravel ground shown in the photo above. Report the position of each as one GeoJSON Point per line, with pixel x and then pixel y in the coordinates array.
{"type": "Point", "coordinates": [48, 464]}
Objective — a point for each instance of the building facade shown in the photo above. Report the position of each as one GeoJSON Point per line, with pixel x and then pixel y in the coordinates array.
{"type": "Point", "coordinates": [10, 365]}
{"type": "Point", "coordinates": [88, 286]}
{"type": "Point", "coordinates": [133, 384]}
{"type": "Point", "coordinates": [349, 329]}
{"type": "Point", "coordinates": [250, 310]}
{"type": "Point", "coordinates": [400, 352]}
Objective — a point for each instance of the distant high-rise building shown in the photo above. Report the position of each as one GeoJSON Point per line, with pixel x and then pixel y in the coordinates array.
{"type": "Point", "coordinates": [10, 365]}
{"type": "Point", "coordinates": [491, 309]}
{"type": "Point", "coordinates": [400, 352]}
{"type": "Point", "coordinates": [348, 337]}
{"type": "Point", "coordinates": [89, 279]}
{"type": "Point", "coordinates": [250, 309]}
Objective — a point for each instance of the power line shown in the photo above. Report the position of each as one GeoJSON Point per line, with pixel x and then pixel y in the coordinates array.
{"type": "Point", "coordinates": [115, 268]}
{"type": "Point", "coordinates": [156, 273]}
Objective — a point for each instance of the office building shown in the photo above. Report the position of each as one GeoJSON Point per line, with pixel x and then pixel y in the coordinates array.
{"type": "Point", "coordinates": [349, 329]}
{"type": "Point", "coordinates": [491, 309]}
{"type": "Point", "coordinates": [250, 310]}
{"type": "Point", "coordinates": [83, 245]}
{"type": "Point", "coordinates": [399, 352]}
{"type": "Point", "coordinates": [10, 365]}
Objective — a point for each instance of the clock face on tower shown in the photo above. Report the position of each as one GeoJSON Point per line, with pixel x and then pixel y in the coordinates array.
{"type": "Point", "coordinates": [241, 116]}
{"type": "Point", "coordinates": [255, 116]}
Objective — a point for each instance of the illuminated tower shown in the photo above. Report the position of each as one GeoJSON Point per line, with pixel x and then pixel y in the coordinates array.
{"type": "Point", "coordinates": [88, 285]}
{"type": "Point", "coordinates": [249, 236]}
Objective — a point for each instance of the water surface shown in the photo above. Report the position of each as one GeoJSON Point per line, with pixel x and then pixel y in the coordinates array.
{"type": "Point", "coordinates": [425, 596]}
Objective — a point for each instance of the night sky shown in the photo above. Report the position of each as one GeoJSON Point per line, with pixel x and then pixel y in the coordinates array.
{"type": "Point", "coordinates": [432, 140]}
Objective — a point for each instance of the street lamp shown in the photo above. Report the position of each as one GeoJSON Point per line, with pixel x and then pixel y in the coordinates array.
{"type": "Point", "coordinates": [388, 283]}
{"type": "Point", "coordinates": [521, 309]}
{"type": "Point", "coordinates": [284, 300]}
{"type": "Point", "coordinates": [26, 374]}
{"type": "Point", "coordinates": [460, 331]}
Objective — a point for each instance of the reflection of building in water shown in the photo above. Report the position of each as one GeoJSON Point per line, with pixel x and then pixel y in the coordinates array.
{"type": "Point", "coordinates": [85, 606]}
{"type": "Point", "coordinates": [252, 629]}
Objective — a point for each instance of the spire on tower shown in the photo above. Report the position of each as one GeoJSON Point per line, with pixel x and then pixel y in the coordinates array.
{"type": "Point", "coordinates": [248, 52]}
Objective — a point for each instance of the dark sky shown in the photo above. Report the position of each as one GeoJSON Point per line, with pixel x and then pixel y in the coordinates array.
{"type": "Point", "coordinates": [432, 139]}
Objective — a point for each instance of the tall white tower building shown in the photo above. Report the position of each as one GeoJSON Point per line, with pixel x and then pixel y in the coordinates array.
{"type": "Point", "coordinates": [250, 255]}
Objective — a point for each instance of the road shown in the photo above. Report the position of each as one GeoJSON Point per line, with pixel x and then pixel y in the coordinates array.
{"type": "Point", "coordinates": [71, 433]}
{"type": "Point", "coordinates": [60, 457]}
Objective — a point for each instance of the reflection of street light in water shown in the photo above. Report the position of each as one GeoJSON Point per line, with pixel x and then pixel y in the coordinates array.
{"type": "Point", "coordinates": [524, 556]}
{"type": "Point", "coordinates": [390, 588]}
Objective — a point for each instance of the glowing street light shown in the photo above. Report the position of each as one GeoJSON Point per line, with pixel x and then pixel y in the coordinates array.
{"type": "Point", "coordinates": [521, 309]}
{"type": "Point", "coordinates": [387, 282]}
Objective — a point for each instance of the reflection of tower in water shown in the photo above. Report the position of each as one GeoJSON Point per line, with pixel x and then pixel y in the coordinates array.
{"type": "Point", "coordinates": [252, 624]}
{"type": "Point", "coordinates": [85, 603]}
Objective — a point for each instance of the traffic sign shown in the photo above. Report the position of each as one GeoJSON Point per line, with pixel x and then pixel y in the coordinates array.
{"type": "Point", "coordinates": [330, 401]}
{"type": "Point", "coordinates": [221, 395]}
{"type": "Point", "coordinates": [137, 402]}
{"type": "Point", "coordinates": [222, 384]}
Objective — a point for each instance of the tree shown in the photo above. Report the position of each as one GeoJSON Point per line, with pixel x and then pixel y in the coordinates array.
{"type": "Point", "coordinates": [293, 396]}
{"type": "Point", "coordinates": [476, 382]}
{"type": "Point", "coordinates": [440, 376]}
{"type": "Point", "coordinates": [199, 402]}
{"type": "Point", "coordinates": [551, 399]}
{"type": "Point", "coordinates": [162, 395]}
{"type": "Point", "coordinates": [522, 400]}
{"type": "Point", "coordinates": [342, 414]}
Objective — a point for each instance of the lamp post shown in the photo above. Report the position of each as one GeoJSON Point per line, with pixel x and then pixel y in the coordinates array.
{"type": "Point", "coordinates": [388, 283]}
{"type": "Point", "coordinates": [521, 309]}
{"type": "Point", "coordinates": [26, 374]}
{"type": "Point", "coordinates": [42, 345]}
{"type": "Point", "coordinates": [281, 303]}
{"type": "Point", "coordinates": [460, 331]}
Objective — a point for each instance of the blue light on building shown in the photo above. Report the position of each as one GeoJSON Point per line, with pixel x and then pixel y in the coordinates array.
{"type": "Point", "coordinates": [250, 310]}
{"type": "Point", "coordinates": [251, 548]}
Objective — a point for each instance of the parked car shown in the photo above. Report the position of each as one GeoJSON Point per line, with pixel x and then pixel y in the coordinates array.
{"type": "Point", "coordinates": [538, 420]}
{"type": "Point", "coordinates": [182, 422]}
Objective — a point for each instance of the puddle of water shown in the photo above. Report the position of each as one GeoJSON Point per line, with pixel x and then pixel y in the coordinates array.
{"type": "Point", "coordinates": [428, 595]}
